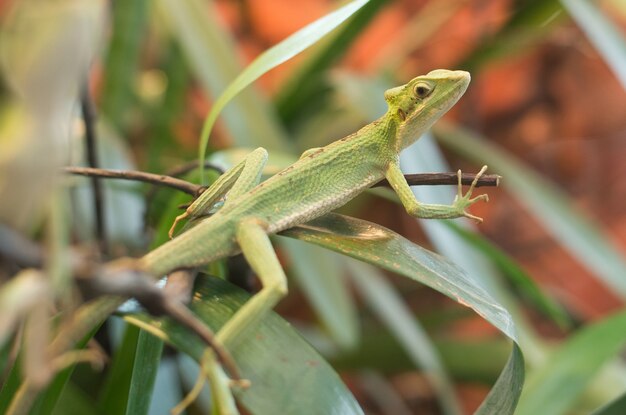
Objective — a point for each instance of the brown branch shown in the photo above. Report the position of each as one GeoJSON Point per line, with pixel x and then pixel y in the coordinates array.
{"type": "Point", "coordinates": [190, 166]}
{"type": "Point", "coordinates": [123, 282]}
{"type": "Point", "coordinates": [431, 179]}
{"type": "Point", "coordinates": [157, 179]}
{"type": "Point", "coordinates": [421, 179]}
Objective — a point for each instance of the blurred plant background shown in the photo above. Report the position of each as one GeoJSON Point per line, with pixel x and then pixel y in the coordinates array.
{"type": "Point", "coordinates": [546, 109]}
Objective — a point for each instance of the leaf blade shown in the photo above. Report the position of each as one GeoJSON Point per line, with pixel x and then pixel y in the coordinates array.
{"type": "Point", "coordinates": [273, 57]}
{"type": "Point", "coordinates": [369, 242]}
{"type": "Point", "coordinates": [602, 33]}
{"type": "Point", "coordinates": [277, 361]}
{"type": "Point", "coordinates": [375, 244]}
{"type": "Point", "coordinates": [553, 388]}
{"type": "Point", "coordinates": [386, 303]}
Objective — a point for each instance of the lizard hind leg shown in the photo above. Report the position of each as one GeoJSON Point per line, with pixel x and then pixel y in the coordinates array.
{"type": "Point", "coordinates": [258, 251]}
{"type": "Point", "coordinates": [256, 246]}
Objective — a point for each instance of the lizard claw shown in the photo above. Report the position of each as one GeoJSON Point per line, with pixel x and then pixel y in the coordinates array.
{"type": "Point", "coordinates": [477, 219]}
{"type": "Point", "coordinates": [463, 201]}
{"type": "Point", "coordinates": [180, 217]}
{"type": "Point", "coordinates": [483, 197]}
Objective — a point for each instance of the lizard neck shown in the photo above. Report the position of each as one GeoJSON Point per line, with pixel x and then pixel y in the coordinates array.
{"type": "Point", "coordinates": [385, 133]}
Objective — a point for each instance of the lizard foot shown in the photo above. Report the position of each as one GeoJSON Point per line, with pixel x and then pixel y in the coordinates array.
{"type": "Point", "coordinates": [462, 202]}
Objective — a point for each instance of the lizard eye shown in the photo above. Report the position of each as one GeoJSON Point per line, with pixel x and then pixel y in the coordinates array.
{"type": "Point", "coordinates": [422, 90]}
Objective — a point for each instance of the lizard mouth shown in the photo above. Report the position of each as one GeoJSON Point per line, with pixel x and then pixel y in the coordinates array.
{"type": "Point", "coordinates": [445, 101]}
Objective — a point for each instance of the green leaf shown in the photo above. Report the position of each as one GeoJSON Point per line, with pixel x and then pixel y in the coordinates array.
{"type": "Point", "coordinates": [529, 23]}
{"type": "Point", "coordinates": [74, 401]}
{"type": "Point", "coordinates": [273, 57]}
{"type": "Point", "coordinates": [554, 388]}
{"type": "Point", "coordinates": [319, 274]}
{"type": "Point", "coordinates": [615, 407]}
{"type": "Point", "coordinates": [305, 87]}
{"type": "Point", "coordinates": [384, 248]}
{"type": "Point", "coordinates": [602, 33]}
{"type": "Point", "coordinates": [387, 304]}
{"type": "Point", "coordinates": [211, 54]}
{"type": "Point", "coordinates": [579, 234]}
{"type": "Point", "coordinates": [145, 367]}
{"type": "Point", "coordinates": [504, 395]}
{"type": "Point", "coordinates": [129, 20]}
{"type": "Point", "coordinates": [516, 275]}
{"type": "Point", "coordinates": [168, 111]}
{"type": "Point", "coordinates": [114, 394]}
{"type": "Point", "coordinates": [10, 386]}
{"type": "Point", "coordinates": [379, 246]}
{"type": "Point", "coordinates": [278, 362]}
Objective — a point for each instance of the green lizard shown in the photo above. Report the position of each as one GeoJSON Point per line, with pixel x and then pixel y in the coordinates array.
{"type": "Point", "coordinates": [248, 211]}
{"type": "Point", "coordinates": [321, 180]}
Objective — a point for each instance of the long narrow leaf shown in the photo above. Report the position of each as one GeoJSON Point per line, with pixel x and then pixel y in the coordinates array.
{"type": "Point", "coordinates": [504, 395]}
{"type": "Point", "coordinates": [129, 20]}
{"type": "Point", "coordinates": [381, 247]}
{"type": "Point", "coordinates": [278, 362]}
{"type": "Point", "coordinates": [384, 248]}
{"type": "Point", "coordinates": [319, 273]}
{"type": "Point", "coordinates": [273, 57]}
{"type": "Point", "coordinates": [114, 397]}
{"type": "Point", "coordinates": [212, 56]}
{"type": "Point", "coordinates": [516, 275]}
{"type": "Point", "coordinates": [553, 388]}
{"type": "Point", "coordinates": [390, 308]}
{"type": "Point", "coordinates": [145, 367]}
{"type": "Point", "coordinates": [305, 88]}
{"type": "Point", "coordinates": [602, 33]}
{"type": "Point", "coordinates": [615, 407]}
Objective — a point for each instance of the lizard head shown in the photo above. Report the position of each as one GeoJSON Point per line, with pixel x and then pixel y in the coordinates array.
{"type": "Point", "coordinates": [416, 105]}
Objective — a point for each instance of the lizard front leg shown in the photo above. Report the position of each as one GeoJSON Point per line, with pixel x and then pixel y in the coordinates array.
{"type": "Point", "coordinates": [457, 209]}
{"type": "Point", "coordinates": [235, 181]}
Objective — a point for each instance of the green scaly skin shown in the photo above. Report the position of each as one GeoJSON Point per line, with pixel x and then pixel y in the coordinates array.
{"type": "Point", "coordinates": [326, 178]}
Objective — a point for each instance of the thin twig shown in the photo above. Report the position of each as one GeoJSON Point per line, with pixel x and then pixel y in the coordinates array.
{"type": "Point", "coordinates": [87, 110]}
{"type": "Point", "coordinates": [181, 314]}
{"type": "Point", "coordinates": [121, 282]}
{"type": "Point", "coordinates": [421, 179]}
{"type": "Point", "coordinates": [190, 166]}
{"type": "Point", "coordinates": [433, 179]}
{"type": "Point", "coordinates": [158, 179]}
